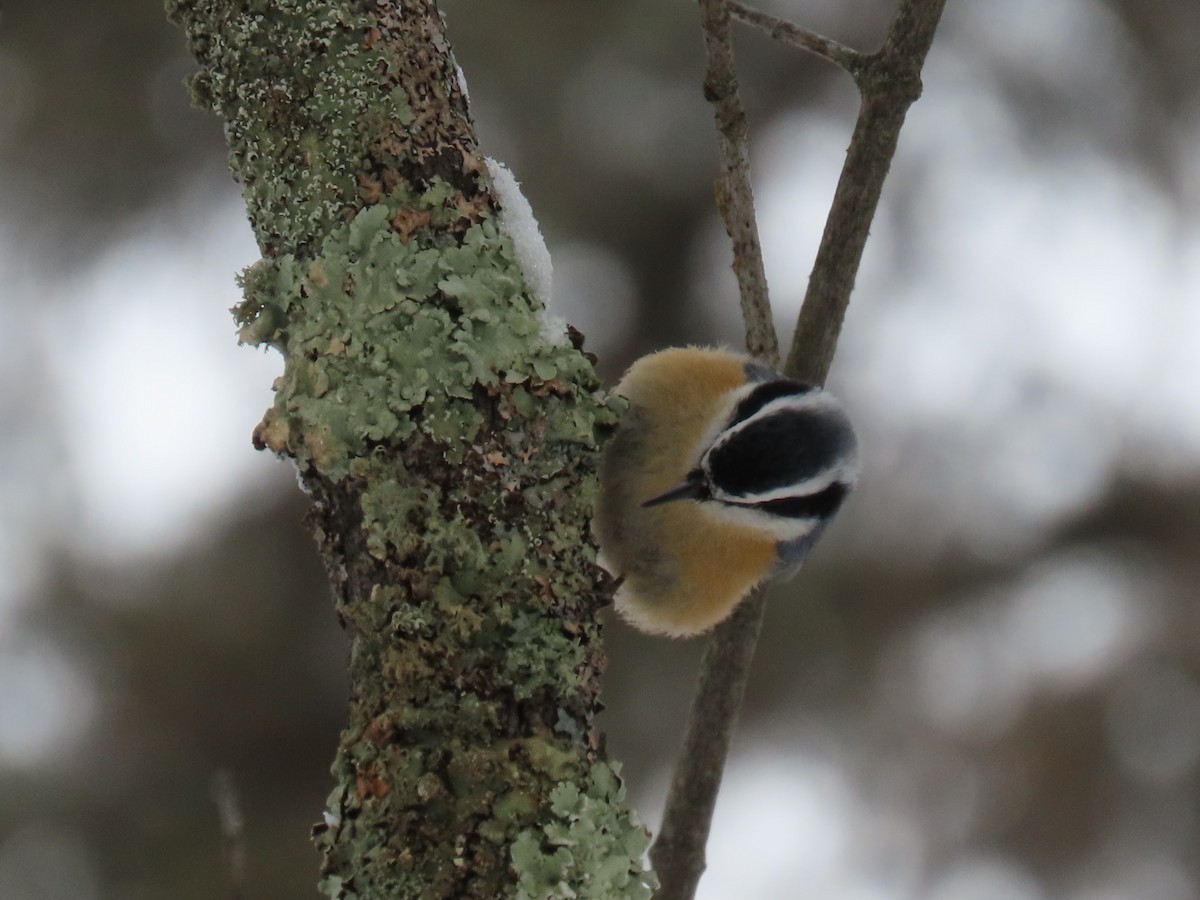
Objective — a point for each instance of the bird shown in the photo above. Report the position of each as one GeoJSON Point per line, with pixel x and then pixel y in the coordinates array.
{"type": "Point", "coordinates": [721, 474]}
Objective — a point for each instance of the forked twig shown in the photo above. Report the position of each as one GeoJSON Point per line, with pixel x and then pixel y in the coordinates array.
{"type": "Point", "coordinates": [889, 82]}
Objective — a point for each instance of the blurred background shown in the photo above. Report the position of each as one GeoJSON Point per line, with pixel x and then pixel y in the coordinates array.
{"type": "Point", "coordinates": [986, 683]}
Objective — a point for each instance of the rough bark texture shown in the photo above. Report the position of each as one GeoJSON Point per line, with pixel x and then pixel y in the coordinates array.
{"type": "Point", "coordinates": [448, 440]}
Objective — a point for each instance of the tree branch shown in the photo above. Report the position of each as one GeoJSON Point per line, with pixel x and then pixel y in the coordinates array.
{"type": "Point", "coordinates": [889, 82]}
{"type": "Point", "coordinates": [450, 450]}
{"type": "Point", "coordinates": [735, 194]}
{"type": "Point", "coordinates": [781, 30]}
{"type": "Point", "coordinates": [678, 851]}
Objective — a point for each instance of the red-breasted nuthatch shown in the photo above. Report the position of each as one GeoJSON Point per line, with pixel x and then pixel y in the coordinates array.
{"type": "Point", "coordinates": [722, 474]}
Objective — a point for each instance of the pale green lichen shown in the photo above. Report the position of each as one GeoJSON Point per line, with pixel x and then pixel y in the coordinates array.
{"type": "Point", "coordinates": [295, 114]}
{"type": "Point", "coordinates": [583, 852]}
{"type": "Point", "coordinates": [367, 337]}
{"type": "Point", "coordinates": [451, 447]}
{"type": "Point", "coordinates": [393, 333]}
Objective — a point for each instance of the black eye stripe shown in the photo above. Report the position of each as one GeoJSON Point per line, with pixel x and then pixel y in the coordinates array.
{"type": "Point", "coordinates": [821, 505]}
{"type": "Point", "coordinates": [764, 394]}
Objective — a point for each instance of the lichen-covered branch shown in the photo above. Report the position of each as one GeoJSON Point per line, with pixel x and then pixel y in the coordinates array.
{"type": "Point", "coordinates": [449, 445]}
{"type": "Point", "coordinates": [889, 82]}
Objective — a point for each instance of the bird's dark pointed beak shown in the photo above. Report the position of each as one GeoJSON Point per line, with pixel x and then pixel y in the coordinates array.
{"type": "Point", "coordinates": [692, 489]}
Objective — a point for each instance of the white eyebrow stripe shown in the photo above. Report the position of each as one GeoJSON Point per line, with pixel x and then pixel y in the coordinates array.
{"type": "Point", "coordinates": [838, 472]}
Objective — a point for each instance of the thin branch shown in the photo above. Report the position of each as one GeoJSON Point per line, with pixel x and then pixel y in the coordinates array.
{"type": "Point", "coordinates": [678, 852]}
{"type": "Point", "coordinates": [787, 32]}
{"type": "Point", "coordinates": [889, 82]}
{"type": "Point", "coordinates": [735, 196]}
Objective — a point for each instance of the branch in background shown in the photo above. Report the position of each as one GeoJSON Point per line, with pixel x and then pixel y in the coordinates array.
{"type": "Point", "coordinates": [735, 195]}
{"type": "Point", "coordinates": [789, 33]}
{"type": "Point", "coordinates": [889, 82]}
{"type": "Point", "coordinates": [233, 830]}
